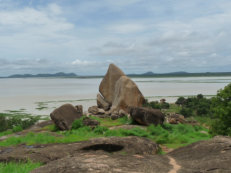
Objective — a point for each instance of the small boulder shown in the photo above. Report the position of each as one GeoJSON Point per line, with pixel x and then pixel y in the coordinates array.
{"type": "Point", "coordinates": [93, 110]}
{"type": "Point", "coordinates": [115, 115]}
{"type": "Point", "coordinates": [90, 122]}
{"type": "Point", "coordinates": [101, 103]}
{"type": "Point", "coordinates": [126, 94]}
{"type": "Point", "coordinates": [176, 119]}
{"type": "Point", "coordinates": [107, 86]}
{"type": "Point", "coordinates": [65, 115]}
{"type": "Point", "coordinates": [147, 116]}
{"type": "Point", "coordinates": [118, 114]}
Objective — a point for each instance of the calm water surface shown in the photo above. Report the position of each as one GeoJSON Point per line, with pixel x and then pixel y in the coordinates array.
{"type": "Point", "coordinates": [41, 95]}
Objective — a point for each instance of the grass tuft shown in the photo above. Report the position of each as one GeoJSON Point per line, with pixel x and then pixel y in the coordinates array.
{"type": "Point", "coordinates": [13, 167]}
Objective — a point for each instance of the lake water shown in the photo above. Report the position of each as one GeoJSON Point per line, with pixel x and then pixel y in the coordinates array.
{"type": "Point", "coordinates": [40, 96]}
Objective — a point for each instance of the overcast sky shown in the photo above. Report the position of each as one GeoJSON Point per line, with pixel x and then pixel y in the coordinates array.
{"type": "Point", "coordinates": [84, 36]}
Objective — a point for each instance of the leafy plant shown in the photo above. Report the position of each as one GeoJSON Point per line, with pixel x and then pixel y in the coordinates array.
{"type": "Point", "coordinates": [222, 112]}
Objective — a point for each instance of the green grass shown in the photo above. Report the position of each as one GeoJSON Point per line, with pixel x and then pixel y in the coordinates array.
{"type": "Point", "coordinates": [13, 167]}
{"type": "Point", "coordinates": [170, 135]}
{"type": "Point", "coordinates": [7, 132]}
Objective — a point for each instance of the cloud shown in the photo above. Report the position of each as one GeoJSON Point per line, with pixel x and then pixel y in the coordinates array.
{"type": "Point", "coordinates": [126, 28]}
{"type": "Point", "coordinates": [152, 36]}
{"type": "Point", "coordinates": [82, 63]}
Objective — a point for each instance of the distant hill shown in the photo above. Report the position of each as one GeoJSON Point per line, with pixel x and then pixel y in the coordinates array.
{"type": "Point", "coordinates": [147, 74]}
{"type": "Point", "coordinates": [180, 74]}
{"type": "Point", "coordinates": [60, 74]}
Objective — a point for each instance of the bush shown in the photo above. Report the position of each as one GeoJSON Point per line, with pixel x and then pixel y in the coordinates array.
{"type": "Point", "coordinates": [100, 130]}
{"type": "Point", "coordinates": [180, 101]}
{"type": "Point", "coordinates": [195, 106]}
{"type": "Point", "coordinates": [12, 121]}
{"type": "Point", "coordinates": [222, 112]}
{"type": "Point", "coordinates": [17, 129]}
{"type": "Point", "coordinates": [78, 123]}
{"type": "Point", "coordinates": [157, 105]}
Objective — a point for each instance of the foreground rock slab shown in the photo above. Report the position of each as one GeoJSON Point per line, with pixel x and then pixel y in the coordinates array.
{"type": "Point", "coordinates": [147, 116]}
{"type": "Point", "coordinates": [106, 163]}
{"type": "Point", "coordinates": [65, 115]}
{"type": "Point", "coordinates": [213, 156]}
{"type": "Point", "coordinates": [50, 152]}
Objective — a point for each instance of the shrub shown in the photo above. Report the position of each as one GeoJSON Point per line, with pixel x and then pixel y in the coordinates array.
{"type": "Point", "coordinates": [100, 130]}
{"type": "Point", "coordinates": [157, 105]}
{"type": "Point", "coordinates": [78, 123]}
{"type": "Point", "coordinates": [222, 112]}
{"type": "Point", "coordinates": [17, 128]}
{"type": "Point", "coordinates": [180, 101]}
{"type": "Point", "coordinates": [13, 121]}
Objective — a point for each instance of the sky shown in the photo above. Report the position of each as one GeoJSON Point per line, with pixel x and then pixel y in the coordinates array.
{"type": "Point", "coordinates": [85, 36]}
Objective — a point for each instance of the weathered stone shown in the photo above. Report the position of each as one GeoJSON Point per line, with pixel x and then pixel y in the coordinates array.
{"type": "Point", "coordinates": [101, 103]}
{"type": "Point", "coordinates": [65, 115]}
{"type": "Point", "coordinates": [90, 122]}
{"type": "Point", "coordinates": [126, 95]}
{"type": "Point", "coordinates": [122, 113]}
{"type": "Point", "coordinates": [147, 116]}
{"type": "Point", "coordinates": [107, 86]}
{"type": "Point", "coordinates": [118, 114]}
{"type": "Point", "coordinates": [101, 112]}
{"type": "Point", "coordinates": [176, 119]}
{"type": "Point", "coordinates": [212, 155]}
{"type": "Point", "coordinates": [93, 110]}
{"type": "Point", "coordinates": [49, 152]}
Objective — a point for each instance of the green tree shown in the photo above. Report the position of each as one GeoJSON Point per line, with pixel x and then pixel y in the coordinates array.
{"type": "Point", "coordinates": [222, 112]}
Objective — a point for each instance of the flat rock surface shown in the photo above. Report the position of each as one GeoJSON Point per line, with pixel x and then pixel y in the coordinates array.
{"type": "Point", "coordinates": [50, 152]}
{"type": "Point", "coordinates": [205, 156]}
{"type": "Point", "coordinates": [127, 154]}
{"type": "Point", "coordinates": [107, 163]}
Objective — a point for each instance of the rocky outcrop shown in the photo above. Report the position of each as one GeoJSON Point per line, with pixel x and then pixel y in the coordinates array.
{"type": "Point", "coordinates": [118, 92]}
{"type": "Point", "coordinates": [107, 86]}
{"type": "Point", "coordinates": [101, 103]}
{"type": "Point", "coordinates": [65, 115]}
{"type": "Point", "coordinates": [126, 94]}
{"type": "Point", "coordinates": [147, 116]}
{"type": "Point", "coordinates": [48, 152]}
{"type": "Point", "coordinates": [122, 155]}
{"type": "Point", "coordinates": [107, 163]}
{"type": "Point", "coordinates": [205, 156]}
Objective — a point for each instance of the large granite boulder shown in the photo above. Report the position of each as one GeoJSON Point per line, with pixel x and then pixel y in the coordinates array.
{"type": "Point", "coordinates": [101, 103]}
{"type": "Point", "coordinates": [107, 86]}
{"type": "Point", "coordinates": [126, 94]}
{"type": "Point", "coordinates": [147, 116]}
{"type": "Point", "coordinates": [65, 115]}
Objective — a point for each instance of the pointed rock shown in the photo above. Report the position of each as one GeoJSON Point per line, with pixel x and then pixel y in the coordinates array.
{"type": "Point", "coordinates": [107, 86]}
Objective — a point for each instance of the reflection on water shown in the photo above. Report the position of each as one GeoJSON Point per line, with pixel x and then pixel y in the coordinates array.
{"type": "Point", "coordinates": [46, 94]}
